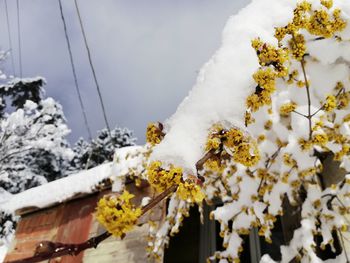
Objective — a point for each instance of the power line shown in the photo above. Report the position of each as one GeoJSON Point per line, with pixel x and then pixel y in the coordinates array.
{"type": "Point", "coordinates": [19, 40]}
{"type": "Point", "coordinates": [74, 72]}
{"type": "Point", "coordinates": [93, 71]}
{"type": "Point", "coordinates": [9, 37]}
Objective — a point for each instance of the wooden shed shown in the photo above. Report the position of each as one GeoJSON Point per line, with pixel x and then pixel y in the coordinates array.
{"type": "Point", "coordinates": [63, 211]}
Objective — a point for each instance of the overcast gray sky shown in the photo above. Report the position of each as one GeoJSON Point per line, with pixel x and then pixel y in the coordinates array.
{"type": "Point", "coordinates": [146, 53]}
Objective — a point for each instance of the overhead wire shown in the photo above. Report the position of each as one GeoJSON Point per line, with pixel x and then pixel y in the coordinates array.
{"type": "Point", "coordinates": [19, 39]}
{"type": "Point", "coordinates": [93, 71]}
{"type": "Point", "coordinates": [74, 72]}
{"type": "Point", "coordinates": [9, 38]}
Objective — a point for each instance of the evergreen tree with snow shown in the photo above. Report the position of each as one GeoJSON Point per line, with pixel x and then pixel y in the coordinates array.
{"type": "Point", "coordinates": [101, 149]}
{"type": "Point", "coordinates": [33, 145]}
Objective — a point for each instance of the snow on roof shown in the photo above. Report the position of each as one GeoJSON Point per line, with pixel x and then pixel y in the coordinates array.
{"type": "Point", "coordinates": [64, 189]}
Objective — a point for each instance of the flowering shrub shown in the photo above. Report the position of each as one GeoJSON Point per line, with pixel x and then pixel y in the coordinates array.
{"type": "Point", "coordinates": [296, 127]}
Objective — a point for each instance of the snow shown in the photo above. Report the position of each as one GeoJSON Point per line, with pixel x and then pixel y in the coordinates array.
{"type": "Point", "coordinates": [60, 190]}
{"type": "Point", "coordinates": [222, 85]}
{"type": "Point", "coordinates": [64, 189]}
{"type": "Point", "coordinates": [3, 251]}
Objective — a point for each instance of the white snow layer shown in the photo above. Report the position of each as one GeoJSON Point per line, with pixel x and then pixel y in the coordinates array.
{"type": "Point", "coordinates": [63, 189]}
{"type": "Point", "coordinates": [223, 83]}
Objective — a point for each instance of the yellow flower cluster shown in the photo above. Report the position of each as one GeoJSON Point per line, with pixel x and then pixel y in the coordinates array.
{"type": "Point", "coordinates": [266, 86]}
{"type": "Point", "coordinates": [161, 179]}
{"type": "Point", "coordinates": [272, 61]}
{"type": "Point", "coordinates": [247, 154]}
{"type": "Point", "coordinates": [299, 21]}
{"type": "Point", "coordinates": [317, 22]}
{"type": "Point", "coordinates": [288, 160]}
{"type": "Point", "coordinates": [117, 214]}
{"type": "Point", "coordinates": [287, 108]}
{"type": "Point", "coordinates": [191, 192]}
{"type": "Point", "coordinates": [327, 3]}
{"type": "Point", "coordinates": [298, 47]}
{"type": "Point", "coordinates": [214, 164]}
{"type": "Point", "coordinates": [266, 79]}
{"type": "Point", "coordinates": [343, 100]}
{"type": "Point", "coordinates": [304, 144]}
{"type": "Point", "coordinates": [320, 23]}
{"type": "Point", "coordinates": [320, 139]}
{"type": "Point", "coordinates": [270, 55]}
{"type": "Point", "coordinates": [243, 148]}
{"type": "Point", "coordinates": [330, 104]}
{"type": "Point", "coordinates": [154, 134]}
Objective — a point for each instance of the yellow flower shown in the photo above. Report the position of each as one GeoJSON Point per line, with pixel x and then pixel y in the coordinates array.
{"type": "Point", "coordinates": [270, 56]}
{"type": "Point", "coordinates": [268, 125]}
{"type": "Point", "coordinates": [304, 144]}
{"type": "Point", "coordinates": [233, 138]}
{"type": "Point", "coordinates": [247, 154]}
{"type": "Point", "coordinates": [161, 179]}
{"type": "Point", "coordinates": [287, 108]}
{"type": "Point", "coordinates": [320, 23]}
{"type": "Point", "coordinates": [266, 79]}
{"type": "Point", "coordinates": [154, 134]}
{"type": "Point", "coordinates": [288, 160]}
{"type": "Point", "coordinates": [298, 47]}
{"type": "Point", "coordinates": [330, 103]}
{"type": "Point", "coordinates": [280, 33]}
{"type": "Point", "coordinates": [242, 147]}
{"type": "Point", "coordinates": [343, 100]}
{"type": "Point", "coordinates": [320, 139]}
{"type": "Point", "coordinates": [117, 214]}
{"type": "Point", "coordinates": [213, 143]}
{"type": "Point", "coordinates": [190, 191]}
{"type": "Point", "coordinates": [327, 3]}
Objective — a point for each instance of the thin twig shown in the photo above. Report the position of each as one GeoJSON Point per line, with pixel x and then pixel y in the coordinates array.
{"type": "Point", "coordinates": [302, 62]}
{"type": "Point", "coordinates": [300, 114]}
{"type": "Point", "coordinates": [206, 157]}
{"type": "Point", "coordinates": [342, 241]}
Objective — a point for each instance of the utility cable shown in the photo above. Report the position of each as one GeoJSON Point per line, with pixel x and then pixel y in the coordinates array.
{"type": "Point", "coordinates": [93, 71]}
{"type": "Point", "coordinates": [74, 72]}
{"type": "Point", "coordinates": [19, 39]}
{"type": "Point", "coordinates": [9, 38]}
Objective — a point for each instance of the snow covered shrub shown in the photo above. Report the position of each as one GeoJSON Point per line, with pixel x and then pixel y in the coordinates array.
{"type": "Point", "coordinates": [8, 224]}
{"type": "Point", "coordinates": [100, 149]}
{"type": "Point", "coordinates": [275, 133]}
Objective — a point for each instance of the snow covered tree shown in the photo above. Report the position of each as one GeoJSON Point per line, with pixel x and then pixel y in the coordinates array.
{"type": "Point", "coordinates": [101, 149]}
{"type": "Point", "coordinates": [33, 142]}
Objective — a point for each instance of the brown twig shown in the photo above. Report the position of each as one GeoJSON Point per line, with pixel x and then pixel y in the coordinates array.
{"type": "Point", "coordinates": [206, 157]}
{"type": "Point", "coordinates": [309, 116]}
